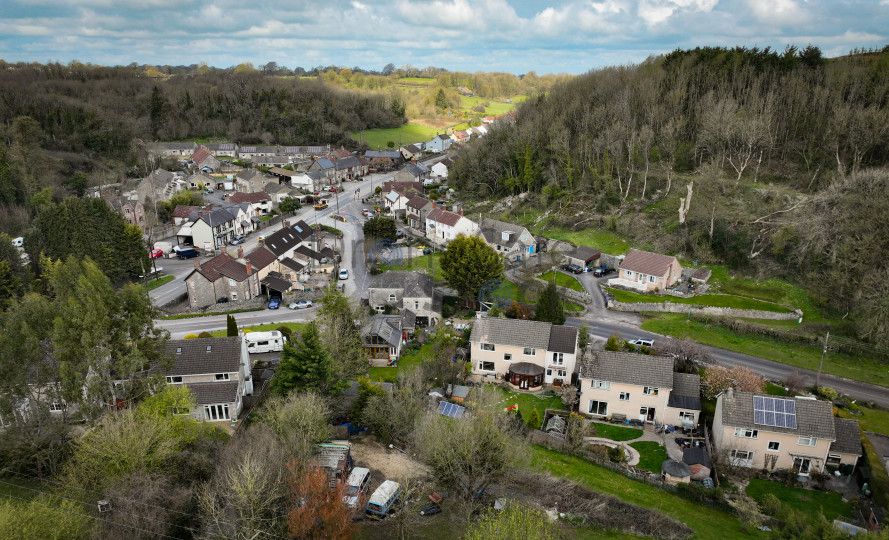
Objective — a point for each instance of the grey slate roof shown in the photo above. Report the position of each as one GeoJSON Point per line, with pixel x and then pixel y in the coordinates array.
{"type": "Point", "coordinates": [629, 368]}
{"type": "Point", "coordinates": [218, 216]}
{"type": "Point", "coordinates": [696, 455]}
{"type": "Point", "coordinates": [492, 230]}
{"type": "Point", "coordinates": [414, 284]}
{"type": "Point", "coordinates": [347, 163]}
{"type": "Point", "coordinates": [276, 283]}
{"type": "Point", "coordinates": [585, 253]}
{"type": "Point", "coordinates": [675, 468]}
{"type": "Point", "coordinates": [848, 436]}
{"type": "Point", "coordinates": [204, 355]}
{"type": "Point", "coordinates": [260, 258]}
{"type": "Point", "coordinates": [686, 392]}
{"type": "Point", "coordinates": [414, 171]}
{"type": "Point", "coordinates": [515, 332]}
{"type": "Point", "coordinates": [283, 240]}
{"type": "Point", "coordinates": [387, 327]}
{"type": "Point", "coordinates": [210, 393]}
{"type": "Point", "coordinates": [293, 265]}
{"type": "Point", "coordinates": [249, 174]}
{"type": "Point", "coordinates": [813, 418]}
{"type": "Point", "coordinates": [562, 339]}
{"type": "Point", "coordinates": [325, 163]}
{"type": "Point", "coordinates": [391, 154]}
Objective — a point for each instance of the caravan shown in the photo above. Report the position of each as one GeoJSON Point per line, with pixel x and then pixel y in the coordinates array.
{"type": "Point", "coordinates": [261, 342]}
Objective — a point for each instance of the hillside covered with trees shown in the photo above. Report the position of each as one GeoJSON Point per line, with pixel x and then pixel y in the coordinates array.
{"type": "Point", "coordinates": [772, 163]}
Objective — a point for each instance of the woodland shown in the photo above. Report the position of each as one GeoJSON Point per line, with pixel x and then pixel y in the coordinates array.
{"type": "Point", "coordinates": [772, 163]}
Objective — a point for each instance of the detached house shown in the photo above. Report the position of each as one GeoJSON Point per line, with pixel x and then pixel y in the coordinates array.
{"type": "Point", "coordinates": [647, 272]}
{"type": "Point", "coordinates": [383, 160]}
{"type": "Point", "coordinates": [132, 211]}
{"type": "Point", "coordinates": [439, 143]}
{"type": "Point", "coordinates": [250, 180]}
{"type": "Point", "coordinates": [406, 291]}
{"type": "Point", "coordinates": [440, 169]}
{"type": "Point", "coordinates": [383, 337]}
{"type": "Point", "coordinates": [417, 210]}
{"type": "Point", "coordinates": [510, 241]}
{"type": "Point", "coordinates": [443, 226]}
{"type": "Point", "coordinates": [768, 432]}
{"type": "Point", "coordinates": [158, 186]}
{"type": "Point", "coordinates": [629, 386]}
{"type": "Point", "coordinates": [412, 172]}
{"type": "Point", "coordinates": [171, 149]}
{"type": "Point", "coordinates": [221, 277]}
{"type": "Point", "coordinates": [204, 160]}
{"type": "Point", "coordinates": [412, 151]}
{"type": "Point", "coordinates": [527, 354]}
{"type": "Point", "coordinates": [216, 372]}
{"type": "Point", "coordinates": [210, 230]}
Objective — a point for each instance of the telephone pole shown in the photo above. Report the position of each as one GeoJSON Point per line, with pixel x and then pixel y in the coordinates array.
{"type": "Point", "coordinates": [821, 363]}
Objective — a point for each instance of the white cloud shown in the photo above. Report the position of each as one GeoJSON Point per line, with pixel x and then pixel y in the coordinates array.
{"type": "Point", "coordinates": [779, 12]}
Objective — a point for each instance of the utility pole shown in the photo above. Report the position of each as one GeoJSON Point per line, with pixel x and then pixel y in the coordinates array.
{"type": "Point", "coordinates": [821, 363]}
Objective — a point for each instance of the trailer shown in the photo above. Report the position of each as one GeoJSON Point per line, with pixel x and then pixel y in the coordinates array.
{"type": "Point", "coordinates": [261, 342]}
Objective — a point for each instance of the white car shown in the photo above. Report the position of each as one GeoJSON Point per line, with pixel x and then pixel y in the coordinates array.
{"type": "Point", "coordinates": [641, 342]}
{"type": "Point", "coordinates": [344, 274]}
{"type": "Point", "coordinates": [302, 304]}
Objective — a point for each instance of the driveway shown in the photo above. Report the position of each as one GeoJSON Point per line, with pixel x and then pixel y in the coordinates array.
{"type": "Point", "coordinates": [596, 309]}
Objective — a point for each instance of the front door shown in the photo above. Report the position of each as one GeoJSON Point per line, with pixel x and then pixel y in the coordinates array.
{"type": "Point", "coordinates": [802, 465]}
{"type": "Point", "coordinates": [646, 414]}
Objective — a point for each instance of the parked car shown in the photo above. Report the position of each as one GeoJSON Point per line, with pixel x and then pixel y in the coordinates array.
{"type": "Point", "coordinates": [274, 303]}
{"type": "Point", "coordinates": [356, 485]}
{"type": "Point", "coordinates": [602, 271]}
{"type": "Point", "coordinates": [427, 251]}
{"type": "Point", "coordinates": [572, 268]}
{"type": "Point", "coordinates": [239, 239]}
{"type": "Point", "coordinates": [321, 205]}
{"type": "Point", "coordinates": [365, 212]}
{"type": "Point", "coordinates": [302, 304]}
{"type": "Point", "coordinates": [208, 190]}
{"type": "Point", "coordinates": [344, 274]}
{"type": "Point", "coordinates": [155, 253]}
{"type": "Point", "coordinates": [641, 342]}
{"type": "Point", "coordinates": [338, 217]}
{"type": "Point", "coordinates": [189, 253]}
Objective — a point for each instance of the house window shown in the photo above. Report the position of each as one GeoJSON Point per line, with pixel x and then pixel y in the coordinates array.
{"type": "Point", "coordinates": [549, 373]}
{"type": "Point", "coordinates": [221, 377]}
{"type": "Point", "coordinates": [232, 283]}
{"type": "Point", "coordinates": [742, 458]}
{"type": "Point", "coordinates": [56, 407]}
{"type": "Point", "coordinates": [486, 366]}
{"type": "Point", "coordinates": [808, 441]}
{"type": "Point", "coordinates": [174, 379]}
{"type": "Point", "coordinates": [652, 279]}
{"type": "Point", "coordinates": [391, 297]}
{"type": "Point", "coordinates": [487, 346]}
{"type": "Point", "coordinates": [416, 305]}
{"type": "Point", "coordinates": [649, 390]}
{"type": "Point", "coordinates": [629, 273]}
{"type": "Point", "coordinates": [558, 358]}
{"type": "Point", "coordinates": [746, 433]}
{"type": "Point", "coordinates": [625, 396]}
{"type": "Point", "coordinates": [562, 373]}
{"type": "Point", "coordinates": [602, 385]}
{"type": "Point", "coordinates": [234, 297]}
{"type": "Point", "coordinates": [507, 357]}
{"type": "Point", "coordinates": [689, 415]}
{"type": "Point", "coordinates": [774, 446]}
{"type": "Point", "coordinates": [216, 412]}
{"type": "Point", "coordinates": [529, 351]}
{"type": "Point", "coordinates": [599, 408]}
{"type": "Point", "coordinates": [834, 459]}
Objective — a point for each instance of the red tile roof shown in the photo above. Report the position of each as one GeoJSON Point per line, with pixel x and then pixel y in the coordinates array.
{"type": "Point", "coordinates": [440, 215]}
{"type": "Point", "coordinates": [644, 262]}
{"type": "Point", "coordinates": [200, 154]}
{"type": "Point", "coordinates": [240, 197]}
{"type": "Point", "coordinates": [260, 258]}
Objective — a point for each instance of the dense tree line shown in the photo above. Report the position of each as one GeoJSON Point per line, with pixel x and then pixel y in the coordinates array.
{"type": "Point", "coordinates": [767, 161]}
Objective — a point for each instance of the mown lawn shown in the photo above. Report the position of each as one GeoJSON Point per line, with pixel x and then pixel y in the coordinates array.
{"type": "Point", "coordinates": [408, 360]}
{"type": "Point", "coordinates": [155, 283]}
{"type": "Point", "coordinates": [428, 264]}
{"type": "Point", "coordinates": [716, 300]}
{"type": "Point", "coordinates": [564, 280]}
{"type": "Point", "coordinates": [705, 521]}
{"type": "Point", "coordinates": [651, 455]}
{"type": "Point", "coordinates": [406, 134]}
{"type": "Point", "coordinates": [858, 368]}
{"type": "Point", "coordinates": [295, 326]}
{"type": "Point", "coordinates": [616, 433]}
{"type": "Point", "coordinates": [607, 241]}
{"type": "Point", "coordinates": [807, 501]}
{"type": "Point", "coordinates": [527, 402]}
{"type": "Point", "coordinates": [775, 390]}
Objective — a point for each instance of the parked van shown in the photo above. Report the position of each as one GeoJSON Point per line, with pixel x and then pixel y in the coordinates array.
{"type": "Point", "coordinates": [357, 484]}
{"type": "Point", "coordinates": [188, 253]}
{"type": "Point", "coordinates": [382, 499]}
{"type": "Point", "coordinates": [260, 342]}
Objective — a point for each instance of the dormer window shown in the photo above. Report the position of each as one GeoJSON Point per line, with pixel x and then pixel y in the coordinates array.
{"type": "Point", "coordinates": [209, 348]}
{"type": "Point", "coordinates": [221, 377]}
{"type": "Point", "coordinates": [391, 297]}
{"type": "Point", "coordinates": [178, 350]}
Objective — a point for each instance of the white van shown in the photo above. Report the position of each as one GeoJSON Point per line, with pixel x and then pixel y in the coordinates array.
{"type": "Point", "coordinates": [260, 342]}
{"type": "Point", "coordinates": [382, 500]}
{"type": "Point", "coordinates": [358, 481]}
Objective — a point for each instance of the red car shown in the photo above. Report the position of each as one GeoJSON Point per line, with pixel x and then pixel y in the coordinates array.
{"type": "Point", "coordinates": [155, 254]}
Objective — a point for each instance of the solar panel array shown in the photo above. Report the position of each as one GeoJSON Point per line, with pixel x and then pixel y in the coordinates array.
{"type": "Point", "coordinates": [776, 412]}
{"type": "Point", "coordinates": [449, 409]}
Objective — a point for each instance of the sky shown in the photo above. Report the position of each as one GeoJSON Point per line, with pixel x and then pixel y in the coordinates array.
{"type": "Point", "coordinates": [514, 36]}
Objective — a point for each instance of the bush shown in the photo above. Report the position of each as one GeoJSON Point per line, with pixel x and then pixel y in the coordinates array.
{"type": "Point", "coordinates": [771, 505]}
{"type": "Point", "coordinates": [617, 454]}
{"type": "Point", "coordinates": [286, 332]}
{"type": "Point", "coordinates": [533, 420]}
{"type": "Point", "coordinates": [827, 393]}
{"type": "Point", "coordinates": [205, 334]}
{"type": "Point", "coordinates": [191, 336]}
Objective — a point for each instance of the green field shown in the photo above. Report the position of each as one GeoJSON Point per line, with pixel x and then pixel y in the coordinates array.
{"type": "Point", "coordinates": [676, 325]}
{"type": "Point", "coordinates": [705, 521]}
{"type": "Point", "coordinates": [807, 501]}
{"type": "Point", "coordinates": [606, 241]}
{"type": "Point", "coordinates": [378, 139]}
{"type": "Point", "coordinates": [771, 290]}
{"type": "Point", "coordinates": [716, 300]}
{"type": "Point", "coordinates": [564, 280]}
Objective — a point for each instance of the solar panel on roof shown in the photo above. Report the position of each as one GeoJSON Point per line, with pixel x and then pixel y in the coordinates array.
{"type": "Point", "coordinates": [777, 412]}
{"type": "Point", "coordinates": [449, 409]}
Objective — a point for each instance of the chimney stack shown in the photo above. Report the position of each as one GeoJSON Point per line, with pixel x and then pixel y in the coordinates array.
{"type": "Point", "coordinates": [433, 204]}
{"type": "Point", "coordinates": [197, 264]}
{"type": "Point", "coordinates": [240, 252]}
{"type": "Point", "coordinates": [730, 394]}
{"type": "Point", "coordinates": [286, 224]}
{"type": "Point", "coordinates": [249, 268]}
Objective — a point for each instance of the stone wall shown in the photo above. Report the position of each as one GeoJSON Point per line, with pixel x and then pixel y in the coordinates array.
{"type": "Point", "coordinates": [669, 307]}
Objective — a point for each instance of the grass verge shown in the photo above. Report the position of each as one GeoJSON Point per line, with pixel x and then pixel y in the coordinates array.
{"type": "Point", "coordinates": [562, 279]}
{"type": "Point", "coordinates": [154, 284]}
{"type": "Point", "coordinates": [428, 264]}
{"type": "Point", "coordinates": [296, 327]}
{"type": "Point", "coordinates": [875, 420]}
{"type": "Point", "coordinates": [210, 313]}
{"type": "Point", "coordinates": [705, 521]}
{"type": "Point", "coordinates": [858, 368]}
{"type": "Point", "coordinates": [651, 455]}
{"type": "Point", "coordinates": [716, 300]}
{"type": "Point", "coordinates": [616, 433]}
{"type": "Point", "coordinates": [806, 501]}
